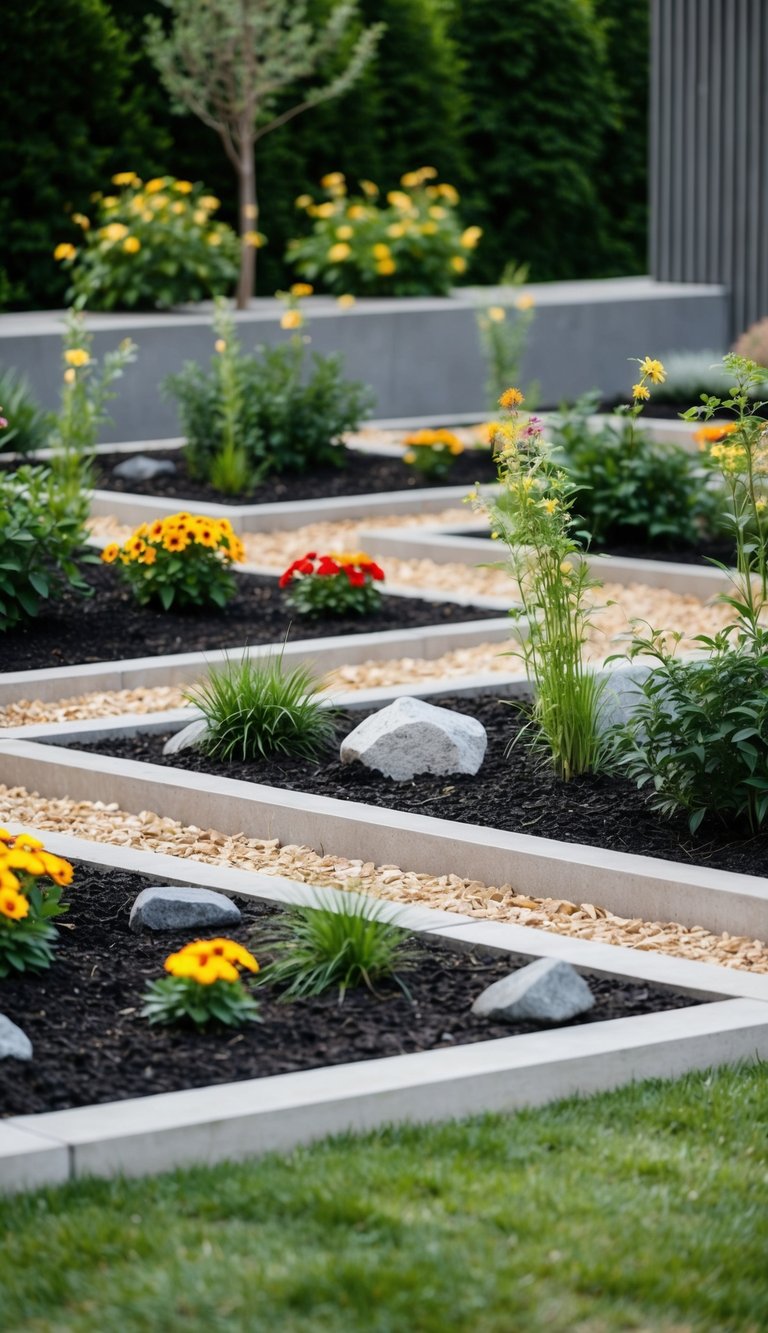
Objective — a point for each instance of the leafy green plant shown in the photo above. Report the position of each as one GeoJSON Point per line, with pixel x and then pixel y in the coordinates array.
{"type": "Point", "coordinates": [29, 426]}
{"type": "Point", "coordinates": [432, 452]}
{"type": "Point", "coordinates": [31, 881]}
{"type": "Point", "coordinates": [411, 245]}
{"type": "Point", "coordinates": [315, 949]}
{"type": "Point", "coordinates": [256, 709]}
{"type": "Point", "coordinates": [272, 412]}
{"type": "Point", "coordinates": [342, 583]}
{"type": "Point", "coordinates": [503, 337]}
{"type": "Point", "coordinates": [184, 560]}
{"type": "Point", "coordinates": [150, 246]}
{"type": "Point", "coordinates": [42, 542]}
{"type": "Point", "coordinates": [532, 515]}
{"type": "Point", "coordinates": [630, 488]}
{"type": "Point", "coordinates": [205, 985]}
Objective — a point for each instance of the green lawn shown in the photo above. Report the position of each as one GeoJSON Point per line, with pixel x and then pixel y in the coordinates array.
{"type": "Point", "coordinates": [643, 1209]}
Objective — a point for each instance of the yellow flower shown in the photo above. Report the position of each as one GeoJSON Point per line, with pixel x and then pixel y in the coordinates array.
{"type": "Point", "coordinates": [345, 301]}
{"type": "Point", "coordinates": [301, 289]}
{"type": "Point", "coordinates": [76, 356]}
{"type": "Point", "coordinates": [449, 193]}
{"type": "Point", "coordinates": [334, 178]}
{"type": "Point", "coordinates": [369, 188]}
{"type": "Point", "coordinates": [81, 220]}
{"type": "Point", "coordinates": [183, 187]}
{"type": "Point", "coordinates": [292, 319]}
{"type": "Point", "coordinates": [458, 264]}
{"type": "Point", "coordinates": [115, 231]}
{"type": "Point", "coordinates": [206, 534]}
{"type": "Point", "coordinates": [126, 178]}
{"type": "Point", "coordinates": [256, 239]}
{"type": "Point", "coordinates": [110, 553]}
{"type": "Point", "coordinates": [179, 207]}
{"type": "Point", "coordinates": [470, 237]}
{"type": "Point", "coordinates": [345, 232]}
{"type": "Point", "coordinates": [566, 567]}
{"type": "Point", "coordinates": [110, 201]}
{"type": "Point", "coordinates": [409, 457]}
{"type": "Point", "coordinates": [200, 217]}
{"type": "Point", "coordinates": [147, 216]}
{"type": "Point", "coordinates": [640, 392]}
{"type": "Point", "coordinates": [26, 842]}
{"type": "Point", "coordinates": [525, 301]}
{"type": "Point", "coordinates": [381, 251]}
{"type": "Point", "coordinates": [437, 211]}
{"type": "Point", "coordinates": [399, 200]}
{"type": "Point", "coordinates": [220, 345]}
{"type": "Point", "coordinates": [653, 370]}
{"type": "Point", "coordinates": [210, 202]}
{"type": "Point", "coordinates": [339, 252]}
{"type": "Point", "coordinates": [64, 251]}
{"type": "Point", "coordinates": [511, 398]}
{"type": "Point", "coordinates": [13, 904]}
{"type": "Point", "coordinates": [396, 230]}
{"type": "Point", "coordinates": [148, 556]}
{"type": "Point", "coordinates": [158, 183]}
{"type": "Point", "coordinates": [497, 314]}
{"type": "Point", "coordinates": [549, 506]}
{"type": "Point", "coordinates": [70, 375]}
{"type": "Point", "coordinates": [175, 541]}
{"type": "Point", "coordinates": [357, 211]}
{"type": "Point", "coordinates": [131, 245]}
{"type": "Point", "coordinates": [385, 267]}
{"type": "Point", "coordinates": [428, 228]}
{"type": "Point", "coordinates": [213, 238]}
{"type": "Point", "coordinates": [324, 210]}
{"type": "Point", "coordinates": [303, 201]}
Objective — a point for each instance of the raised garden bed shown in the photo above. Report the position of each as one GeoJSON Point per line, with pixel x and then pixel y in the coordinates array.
{"type": "Point", "coordinates": [91, 1045]}
{"type": "Point", "coordinates": [703, 554]}
{"type": "Point", "coordinates": [361, 473]}
{"type": "Point", "coordinates": [514, 792]}
{"type": "Point", "coordinates": [110, 625]}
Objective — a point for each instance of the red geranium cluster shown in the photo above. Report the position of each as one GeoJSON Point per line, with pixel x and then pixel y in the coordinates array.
{"type": "Point", "coordinates": [338, 583]}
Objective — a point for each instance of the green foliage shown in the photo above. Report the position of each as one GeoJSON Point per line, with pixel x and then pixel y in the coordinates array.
{"type": "Point", "coordinates": [257, 709]}
{"type": "Point", "coordinates": [410, 244]}
{"type": "Point", "coordinates": [42, 542]}
{"type": "Point", "coordinates": [279, 413]}
{"type": "Point", "coordinates": [535, 129]}
{"type": "Point", "coordinates": [150, 247]}
{"type": "Point", "coordinates": [315, 949]}
{"type": "Point", "coordinates": [630, 488]}
{"type": "Point", "coordinates": [174, 999]}
{"type": "Point", "coordinates": [181, 561]}
{"type": "Point", "coordinates": [71, 113]}
{"type": "Point", "coordinates": [699, 734]}
{"type": "Point", "coordinates": [28, 942]}
{"type": "Point", "coordinates": [26, 946]}
{"type": "Point", "coordinates": [622, 175]}
{"type": "Point", "coordinates": [29, 426]}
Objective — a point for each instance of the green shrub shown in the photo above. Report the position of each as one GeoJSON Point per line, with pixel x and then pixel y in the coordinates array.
{"type": "Point", "coordinates": [42, 542]}
{"type": "Point", "coordinates": [287, 415]}
{"type": "Point", "coordinates": [339, 584]}
{"type": "Point", "coordinates": [409, 244]}
{"type": "Point", "coordinates": [316, 949]}
{"type": "Point", "coordinates": [630, 488]}
{"type": "Point", "coordinates": [257, 709]}
{"type": "Point", "coordinates": [150, 246]}
{"type": "Point", "coordinates": [29, 426]}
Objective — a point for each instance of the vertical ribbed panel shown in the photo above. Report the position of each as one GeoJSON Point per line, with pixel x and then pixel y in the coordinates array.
{"type": "Point", "coordinates": [709, 148]}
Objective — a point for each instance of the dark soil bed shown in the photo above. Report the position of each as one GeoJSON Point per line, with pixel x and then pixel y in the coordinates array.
{"type": "Point", "coordinates": [361, 474]}
{"type": "Point", "coordinates": [110, 625]}
{"type": "Point", "coordinates": [513, 791]}
{"type": "Point", "coordinates": [702, 554]}
{"type": "Point", "coordinates": [91, 1045]}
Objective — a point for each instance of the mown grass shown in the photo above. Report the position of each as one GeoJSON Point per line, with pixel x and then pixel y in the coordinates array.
{"type": "Point", "coordinates": [644, 1209]}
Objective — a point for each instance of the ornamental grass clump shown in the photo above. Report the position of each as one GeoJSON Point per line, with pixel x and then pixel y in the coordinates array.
{"type": "Point", "coordinates": [432, 452]}
{"type": "Point", "coordinates": [31, 881]}
{"type": "Point", "coordinates": [532, 515]}
{"type": "Point", "coordinates": [205, 985]}
{"type": "Point", "coordinates": [338, 584]}
{"type": "Point", "coordinates": [258, 709]}
{"type": "Point", "coordinates": [698, 738]}
{"type": "Point", "coordinates": [335, 947]}
{"type": "Point", "coordinates": [183, 561]}
{"type": "Point", "coordinates": [150, 245]}
{"type": "Point", "coordinates": [412, 244]}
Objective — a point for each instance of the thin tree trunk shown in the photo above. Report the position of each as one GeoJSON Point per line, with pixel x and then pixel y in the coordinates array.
{"type": "Point", "coordinates": [249, 222]}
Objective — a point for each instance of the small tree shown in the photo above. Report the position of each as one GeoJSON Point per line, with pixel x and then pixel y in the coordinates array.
{"type": "Point", "coordinates": [228, 61]}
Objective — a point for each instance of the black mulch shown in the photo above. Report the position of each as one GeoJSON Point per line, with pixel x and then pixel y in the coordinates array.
{"type": "Point", "coordinates": [91, 1045]}
{"type": "Point", "coordinates": [703, 554]}
{"type": "Point", "coordinates": [110, 625]}
{"type": "Point", "coordinates": [513, 790]}
{"type": "Point", "coordinates": [361, 474]}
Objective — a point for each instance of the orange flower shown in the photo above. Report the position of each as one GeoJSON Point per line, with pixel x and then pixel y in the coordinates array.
{"type": "Point", "coordinates": [511, 398]}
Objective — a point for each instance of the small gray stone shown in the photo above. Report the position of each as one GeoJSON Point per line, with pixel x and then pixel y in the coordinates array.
{"type": "Point", "coordinates": [169, 907]}
{"type": "Point", "coordinates": [14, 1044]}
{"type": "Point", "coordinates": [547, 991]}
{"type": "Point", "coordinates": [410, 736]}
{"type": "Point", "coordinates": [187, 738]}
{"type": "Point", "coordinates": [140, 467]}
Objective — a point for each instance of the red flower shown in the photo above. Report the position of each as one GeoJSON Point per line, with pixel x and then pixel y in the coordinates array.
{"type": "Point", "coordinates": [327, 566]}
{"type": "Point", "coordinates": [356, 577]}
{"type": "Point", "coordinates": [286, 578]}
{"type": "Point", "coordinates": [305, 566]}
{"type": "Point", "coordinates": [376, 572]}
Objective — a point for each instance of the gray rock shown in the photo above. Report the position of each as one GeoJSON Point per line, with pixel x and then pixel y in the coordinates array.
{"type": "Point", "coordinates": [187, 738]}
{"type": "Point", "coordinates": [169, 907]}
{"type": "Point", "coordinates": [140, 467]}
{"type": "Point", "coordinates": [410, 736]}
{"type": "Point", "coordinates": [622, 691]}
{"type": "Point", "coordinates": [547, 991]}
{"type": "Point", "coordinates": [14, 1044]}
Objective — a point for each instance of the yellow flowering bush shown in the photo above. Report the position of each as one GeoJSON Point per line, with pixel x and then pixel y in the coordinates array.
{"type": "Point", "coordinates": [409, 243]}
{"type": "Point", "coordinates": [432, 452]}
{"type": "Point", "coordinates": [31, 880]}
{"type": "Point", "coordinates": [150, 245]}
{"type": "Point", "coordinates": [205, 983]}
{"type": "Point", "coordinates": [184, 560]}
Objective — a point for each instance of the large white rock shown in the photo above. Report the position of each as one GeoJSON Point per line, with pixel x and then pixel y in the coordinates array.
{"type": "Point", "coordinates": [188, 738]}
{"type": "Point", "coordinates": [410, 736]}
{"type": "Point", "coordinates": [14, 1042]}
{"type": "Point", "coordinates": [547, 991]}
